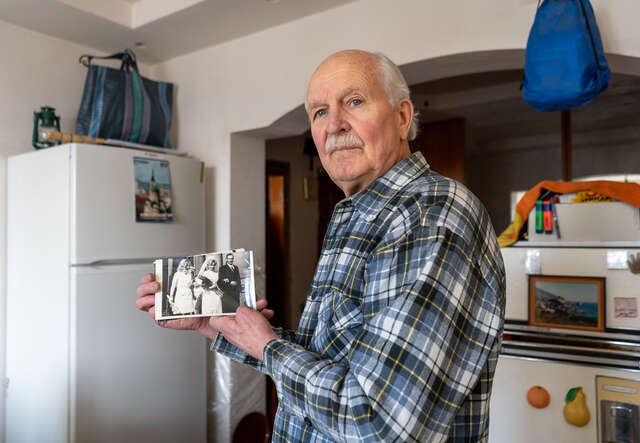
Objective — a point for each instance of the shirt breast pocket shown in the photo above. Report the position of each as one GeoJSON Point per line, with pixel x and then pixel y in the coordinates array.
{"type": "Point", "coordinates": [340, 323]}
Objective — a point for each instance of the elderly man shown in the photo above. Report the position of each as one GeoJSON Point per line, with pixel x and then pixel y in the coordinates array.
{"type": "Point", "coordinates": [401, 331]}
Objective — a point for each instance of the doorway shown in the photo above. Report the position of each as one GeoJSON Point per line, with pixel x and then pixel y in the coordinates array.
{"type": "Point", "coordinates": [277, 239]}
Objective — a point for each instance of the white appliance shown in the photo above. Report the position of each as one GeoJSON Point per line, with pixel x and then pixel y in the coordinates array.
{"type": "Point", "coordinates": [559, 359]}
{"type": "Point", "coordinates": [513, 419]}
{"type": "Point", "coordinates": [83, 365]}
{"type": "Point", "coordinates": [525, 259]}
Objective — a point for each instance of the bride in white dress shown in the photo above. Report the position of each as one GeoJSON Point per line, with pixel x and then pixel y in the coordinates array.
{"type": "Point", "coordinates": [212, 295]}
{"type": "Point", "coordinates": [181, 294]}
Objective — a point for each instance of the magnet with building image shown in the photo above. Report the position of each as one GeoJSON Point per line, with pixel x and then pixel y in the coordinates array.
{"type": "Point", "coordinates": [153, 190]}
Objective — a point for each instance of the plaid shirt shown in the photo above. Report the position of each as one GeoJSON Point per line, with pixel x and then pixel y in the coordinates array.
{"type": "Point", "coordinates": [400, 334]}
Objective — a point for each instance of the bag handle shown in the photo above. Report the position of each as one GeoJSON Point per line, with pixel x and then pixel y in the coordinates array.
{"type": "Point", "coordinates": [593, 43]}
{"type": "Point", "coordinates": [128, 58]}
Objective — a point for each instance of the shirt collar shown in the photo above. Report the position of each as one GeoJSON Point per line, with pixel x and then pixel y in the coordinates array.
{"type": "Point", "coordinates": [372, 199]}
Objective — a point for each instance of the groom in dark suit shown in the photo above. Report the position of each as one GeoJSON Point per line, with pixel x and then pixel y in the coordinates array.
{"type": "Point", "coordinates": [229, 282]}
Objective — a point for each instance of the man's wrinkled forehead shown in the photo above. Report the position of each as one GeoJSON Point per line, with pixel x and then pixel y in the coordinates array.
{"type": "Point", "coordinates": [353, 69]}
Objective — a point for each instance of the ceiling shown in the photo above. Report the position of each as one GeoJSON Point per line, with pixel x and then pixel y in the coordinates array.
{"type": "Point", "coordinates": [166, 28]}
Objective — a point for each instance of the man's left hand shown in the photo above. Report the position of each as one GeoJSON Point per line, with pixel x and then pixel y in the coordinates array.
{"type": "Point", "coordinates": [249, 329]}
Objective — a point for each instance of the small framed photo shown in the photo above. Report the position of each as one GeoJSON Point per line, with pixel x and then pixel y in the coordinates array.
{"type": "Point", "coordinates": [567, 302]}
{"type": "Point", "coordinates": [625, 307]}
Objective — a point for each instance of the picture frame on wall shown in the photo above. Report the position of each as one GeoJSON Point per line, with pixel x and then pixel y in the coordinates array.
{"type": "Point", "coordinates": [568, 302]}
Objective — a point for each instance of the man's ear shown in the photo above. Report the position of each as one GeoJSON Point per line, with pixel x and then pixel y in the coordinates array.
{"type": "Point", "coordinates": [404, 114]}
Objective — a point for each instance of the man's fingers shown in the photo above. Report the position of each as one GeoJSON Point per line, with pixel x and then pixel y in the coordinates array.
{"type": "Point", "coordinates": [148, 289]}
{"type": "Point", "coordinates": [261, 306]}
{"type": "Point", "coordinates": [221, 319]}
{"type": "Point", "coordinates": [268, 313]}
{"type": "Point", "coordinates": [147, 278]}
{"type": "Point", "coordinates": [220, 322]}
{"type": "Point", "coordinates": [146, 302]}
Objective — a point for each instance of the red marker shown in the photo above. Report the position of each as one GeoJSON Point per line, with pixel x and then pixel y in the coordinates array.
{"type": "Point", "coordinates": [547, 217]}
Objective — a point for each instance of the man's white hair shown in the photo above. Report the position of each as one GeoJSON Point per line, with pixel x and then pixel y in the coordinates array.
{"type": "Point", "coordinates": [396, 88]}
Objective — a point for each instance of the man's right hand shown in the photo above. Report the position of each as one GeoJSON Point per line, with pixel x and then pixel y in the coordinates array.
{"type": "Point", "coordinates": [146, 302]}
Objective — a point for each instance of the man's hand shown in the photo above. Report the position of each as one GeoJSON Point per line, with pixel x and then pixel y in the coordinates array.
{"type": "Point", "coordinates": [249, 329]}
{"type": "Point", "coordinates": [146, 302]}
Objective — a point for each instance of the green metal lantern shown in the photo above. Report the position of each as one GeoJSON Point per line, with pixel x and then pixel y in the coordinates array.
{"type": "Point", "coordinates": [43, 121]}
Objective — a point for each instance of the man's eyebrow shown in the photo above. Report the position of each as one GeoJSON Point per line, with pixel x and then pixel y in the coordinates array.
{"type": "Point", "coordinates": [349, 91]}
{"type": "Point", "coordinates": [314, 105]}
{"type": "Point", "coordinates": [343, 94]}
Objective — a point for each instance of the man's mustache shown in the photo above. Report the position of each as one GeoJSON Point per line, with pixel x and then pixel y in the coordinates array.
{"type": "Point", "coordinates": [335, 141]}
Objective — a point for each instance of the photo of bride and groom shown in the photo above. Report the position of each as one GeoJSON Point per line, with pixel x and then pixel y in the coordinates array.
{"type": "Point", "coordinates": [204, 285]}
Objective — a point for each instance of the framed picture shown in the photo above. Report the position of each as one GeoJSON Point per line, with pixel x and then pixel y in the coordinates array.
{"type": "Point", "coordinates": [567, 302]}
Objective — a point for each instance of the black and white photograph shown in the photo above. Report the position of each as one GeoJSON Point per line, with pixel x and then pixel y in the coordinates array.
{"type": "Point", "coordinates": [204, 285]}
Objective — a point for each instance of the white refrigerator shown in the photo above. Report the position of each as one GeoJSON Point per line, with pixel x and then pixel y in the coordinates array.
{"type": "Point", "coordinates": [83, 365]}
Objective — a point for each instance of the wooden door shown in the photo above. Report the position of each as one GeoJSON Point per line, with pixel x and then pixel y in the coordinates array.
{"type": "Point", "coordinates": [443, 145]}
{"type": "Point", "coordinates": [328, 195]}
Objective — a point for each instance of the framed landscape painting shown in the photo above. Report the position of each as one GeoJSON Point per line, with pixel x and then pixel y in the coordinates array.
{"type": "Point", "coordinates": [567, 302]}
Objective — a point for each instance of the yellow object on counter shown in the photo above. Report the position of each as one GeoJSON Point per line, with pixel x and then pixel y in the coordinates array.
{"type": "Point", "coordinates": [591, 197]}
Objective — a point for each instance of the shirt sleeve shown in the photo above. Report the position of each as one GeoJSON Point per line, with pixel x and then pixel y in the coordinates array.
{"type": "Point", "coordinates": [222, 346]}
{"type": "Point", "coordinates": [416, 360]}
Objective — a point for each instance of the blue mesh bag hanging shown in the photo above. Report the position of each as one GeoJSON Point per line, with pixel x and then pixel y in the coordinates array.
{"type": "Point", "coordinates": [564, 65]}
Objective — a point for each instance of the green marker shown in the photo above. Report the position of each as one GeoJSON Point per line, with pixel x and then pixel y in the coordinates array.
{"type": "Point", "coordinates": [539, 219]}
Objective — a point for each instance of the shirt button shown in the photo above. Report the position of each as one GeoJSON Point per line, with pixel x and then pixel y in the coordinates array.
{"type": "Point", "coordinates": [370, 218]}
{"type": "Point", "coordinates": [307, 420]}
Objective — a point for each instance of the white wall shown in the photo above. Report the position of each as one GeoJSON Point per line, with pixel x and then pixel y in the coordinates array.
{"type": "Point", "coordinates": [247, 213]}
{"type": "Point", "coordinates": [247, 218]}
{"type": "Point", "coordinates": [3, 286]}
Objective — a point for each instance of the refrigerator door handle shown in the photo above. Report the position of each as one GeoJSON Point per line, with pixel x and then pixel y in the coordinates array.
{"type": "Point", "coordinates": [115, 262]}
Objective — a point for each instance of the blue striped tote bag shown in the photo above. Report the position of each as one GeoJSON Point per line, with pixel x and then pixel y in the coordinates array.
{"type": "Point", "coordinates": [120, 104]}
